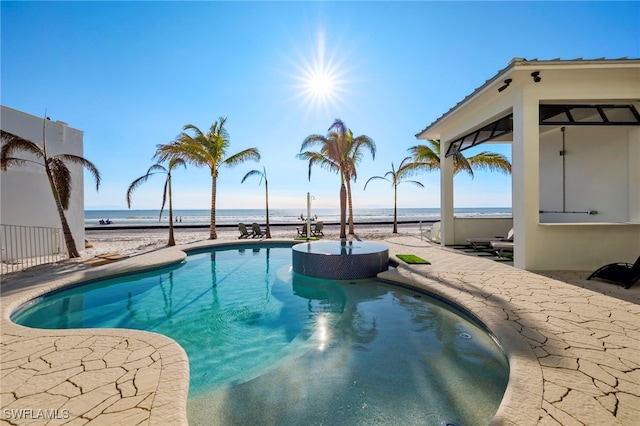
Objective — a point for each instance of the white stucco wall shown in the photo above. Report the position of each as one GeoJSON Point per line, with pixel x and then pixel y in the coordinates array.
{"type": "Point", "coordinates": [25, 194]}
{"type": "Point", "coordinates": [596, 169]}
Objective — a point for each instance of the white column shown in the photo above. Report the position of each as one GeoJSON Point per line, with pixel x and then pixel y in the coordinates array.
{"type": "Point", "coordinates": [526, 181]}
{"type": "Point", "coordinates": [446, 197]}
{"type": "Point", "coordinates": [634, 174]}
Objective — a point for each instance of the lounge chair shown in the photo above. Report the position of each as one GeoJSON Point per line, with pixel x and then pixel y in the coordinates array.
{"type": "Point", "coordinates": [501, 246]}
{"type": "Point", "coordinates": [478, 242]}
{"type": "Point", "coordinates": [243, 231]}
{"type": "Point", "coordinates": [434, 233]}
{"type": "Point", "coordinates": [317, 230]}
{"type": "Point", "coordinates": [257, 232]}
{"type": "Point", "coordinates": [620, 273]}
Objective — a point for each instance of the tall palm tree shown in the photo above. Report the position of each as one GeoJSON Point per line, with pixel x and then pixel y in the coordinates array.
{"type": "Point", "coordinates": [339, 152]}
{"type": "Point", "coordinates": [396, 177]}
{"type": "Point", "coordinates": [155, 169]}
{"type": "Point", "coordinates": [58, 174]}
{"type": "Point", "coordinates": [354, 152]}
{"type": "Point", "coordinates": [206, 149]}
{"type": "Point", "coordinates": [427, 157]}
{"type": "Point", "coordinates": [263, 175]}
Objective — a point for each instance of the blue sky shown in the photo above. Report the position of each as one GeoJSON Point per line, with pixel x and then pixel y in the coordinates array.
{"type": "Point", "coordinates": [132, 74]}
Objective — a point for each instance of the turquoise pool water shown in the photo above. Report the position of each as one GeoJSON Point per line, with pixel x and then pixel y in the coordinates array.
{"type": "Point", "coordinates": [267, 346]}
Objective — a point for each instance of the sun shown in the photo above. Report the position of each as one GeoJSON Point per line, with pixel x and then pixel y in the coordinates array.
{"type": "Point", "coordinates": [321, 84]}
{"type": "Point", "coordinates": [320, 78]}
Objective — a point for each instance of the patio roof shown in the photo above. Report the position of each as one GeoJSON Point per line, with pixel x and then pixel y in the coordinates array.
{"type": "Point", "coordinates": [522, 62]}
{"type": "Point", "coordinates": [552, 114]}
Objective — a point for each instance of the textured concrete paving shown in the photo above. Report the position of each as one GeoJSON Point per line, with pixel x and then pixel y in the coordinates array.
{"type": "Point", "coordinates": [573, 346]}
{"type": "Point", "coordinates": [93, 377]}
{"type": "Point", "coordinates": [575, 353]}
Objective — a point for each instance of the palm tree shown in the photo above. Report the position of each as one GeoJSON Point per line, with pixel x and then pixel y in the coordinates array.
{"type": "Point", "coordinates": [428, 158]}
{"type": "Point", "coordinates": [340, 152]}
{"type": "Point", "coordinates": [58, 174]}
{"type": "Point", "coordinates": [354, 152]}
{"type": "Point", "coordinates": [155, 169]}
{"type": "Point", "coordinates": [206, 149]}
{"type": "Point", "coordinates": [396, 178]}
{"type": "Point", "coordinates": [263, 175]}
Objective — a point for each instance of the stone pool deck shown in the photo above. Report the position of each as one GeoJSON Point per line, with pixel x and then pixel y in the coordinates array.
{"type": "Point", "coordinates": [573, 345]}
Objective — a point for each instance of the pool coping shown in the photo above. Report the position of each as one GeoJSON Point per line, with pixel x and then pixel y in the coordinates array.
{"type": "Point", "coordinates": [44, 368]}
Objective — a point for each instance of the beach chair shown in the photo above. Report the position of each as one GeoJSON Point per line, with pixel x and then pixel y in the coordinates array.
{"type": "Point", "coordinates": [302, 232]}
{"type": "Point", "coordinates": [257, 232]}
{"type": "Point", "coordinates": [625, 274]}
{"type": "Point", "coordinates": [317, 230]}
{"type": "Point", "coordinates": [243, 231]}
{"type": "Point", "coordinates": [479, 242]}
{"type": "Point", "coordinates": [501, 246]}
{"type": "Point", "coordinates": [434, 233]}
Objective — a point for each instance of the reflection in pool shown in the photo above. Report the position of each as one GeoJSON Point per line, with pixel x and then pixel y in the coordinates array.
{"type": "Point", "coordinates": [269, 346]}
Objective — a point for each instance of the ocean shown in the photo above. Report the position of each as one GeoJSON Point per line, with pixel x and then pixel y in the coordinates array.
{"type": "Point", "coordinates": [278, 216]}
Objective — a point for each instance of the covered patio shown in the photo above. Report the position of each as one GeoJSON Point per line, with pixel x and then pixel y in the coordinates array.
{"type": "Point", "coordinates": [574, 130]}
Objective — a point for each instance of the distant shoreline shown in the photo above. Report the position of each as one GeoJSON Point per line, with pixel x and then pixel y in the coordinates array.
{"type": "Point", "coordinates": [116, 227]}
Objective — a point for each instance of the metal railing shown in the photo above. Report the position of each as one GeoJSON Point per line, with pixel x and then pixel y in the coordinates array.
{"type": "Point", "coordinates": [26, 246]}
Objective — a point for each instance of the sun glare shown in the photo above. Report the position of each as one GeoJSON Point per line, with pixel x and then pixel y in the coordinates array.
{"type": "Point", "coordinates": [320, 81]}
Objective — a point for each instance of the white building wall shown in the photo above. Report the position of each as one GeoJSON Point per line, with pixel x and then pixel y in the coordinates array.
{"type": "Point", "coordinates": [596, 174]}
{"type": "Point", "coordinates": [25, 194]}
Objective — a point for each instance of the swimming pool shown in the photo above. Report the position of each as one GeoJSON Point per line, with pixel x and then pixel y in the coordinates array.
{"type": "Point", "coordinates": [269, 346]}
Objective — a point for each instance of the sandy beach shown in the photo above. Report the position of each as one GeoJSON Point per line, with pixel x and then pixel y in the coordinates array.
{"type": "Point", "coordinates": [134, 241]}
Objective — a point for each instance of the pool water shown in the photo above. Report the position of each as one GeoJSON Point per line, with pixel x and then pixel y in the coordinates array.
{"type": "Point", "coordinates": [268, 346]}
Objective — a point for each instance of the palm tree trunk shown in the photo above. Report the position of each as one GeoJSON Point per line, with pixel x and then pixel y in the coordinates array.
{"type": "Point", "coordinates": [395, 209]}
{"type": "Point", "coordinates": [172, 241]}
{"type": "Point", "coordinates": [266, 192]}
{"type": "Point", "coordinates": [212, 229]}
{"type": "Point", "coordinates": [350, 202]}
{"type": "Point", "coordinates": [68, 237]}
{"type": "Point", "coordinates": [343, 212]}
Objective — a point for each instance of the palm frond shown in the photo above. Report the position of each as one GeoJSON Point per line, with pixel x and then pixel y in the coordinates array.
{"type": "Point", "coordinates": [376, 178]}
{"type": "Point", "coordinates": [164, 196]}
{"type": "Point", "coordinates": [175, 162]}
{"type": "Point", "coordinates": [12, 144]}
{"type": "Point", "coordinates": [460, 163]}
{"type": "Point", "coordinates": [252, 173]}
{"type": "Point", "coordinates": [157, 168]}
{"type": "Point", "coordinates": [490, 161]}
{"type": "Point", "coordinates": [76, 159]}
{"type": "Point", "coordinates": [187, 151]}
{"type": "Point", "coordinates": [242, 156]}
{"type": "Point", "coordinates": [195, 130]}
{"type": "Point", "coordinates": [134, 185]}
{"type": "Point", "coordinates": [338, 125]}
{"type": "Point", "coordinates": [415, 182]}
{"type": "Point", "coordinates": [312, 140]}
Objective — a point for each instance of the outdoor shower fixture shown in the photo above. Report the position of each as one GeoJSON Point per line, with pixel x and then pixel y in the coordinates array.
{"type": "Point", "coordinates": [507, 82]}
{"type": "Point", "coordinates": [536, 77]}
{"type": "Point", "coordinates": [563, 154]}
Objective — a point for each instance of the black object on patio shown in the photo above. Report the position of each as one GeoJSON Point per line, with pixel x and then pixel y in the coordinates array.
{"type": "Point", "coordinates": [620, 273]}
